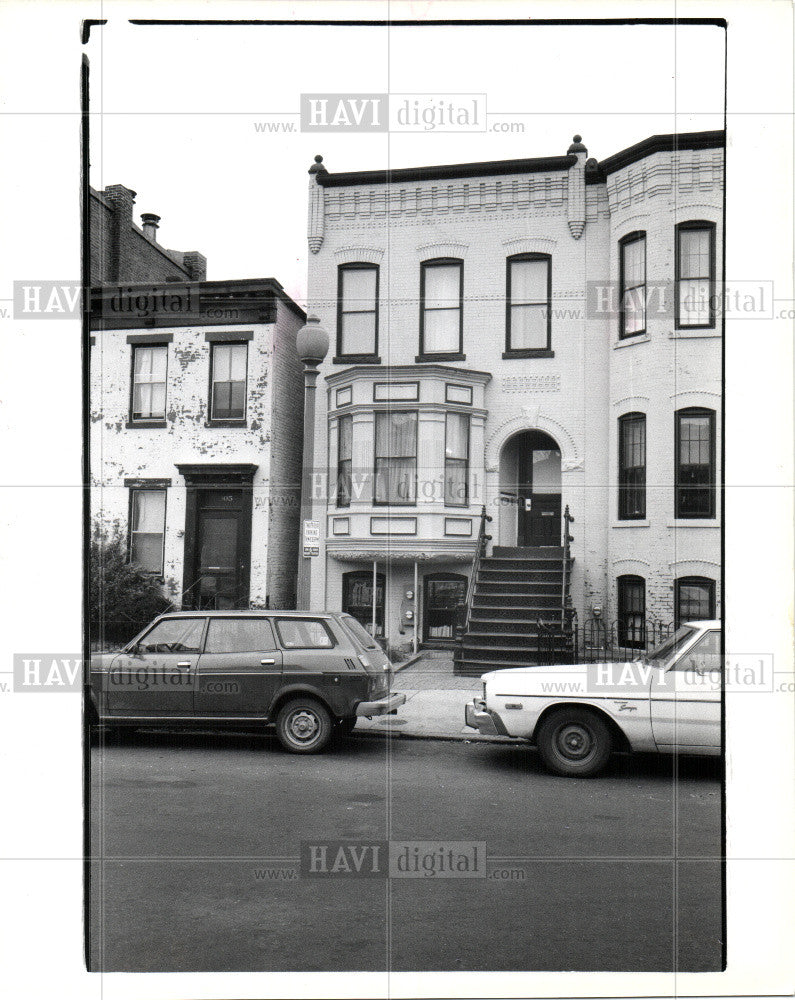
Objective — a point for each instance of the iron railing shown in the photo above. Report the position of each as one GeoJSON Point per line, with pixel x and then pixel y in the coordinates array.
{"type": "Point", "coordinates": [596, 641]}
{"type": "Point", "coordinates": [464, 610]}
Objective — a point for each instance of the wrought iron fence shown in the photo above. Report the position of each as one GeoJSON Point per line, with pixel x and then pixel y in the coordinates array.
{"type": "Point", "coordinates": [596, 640]}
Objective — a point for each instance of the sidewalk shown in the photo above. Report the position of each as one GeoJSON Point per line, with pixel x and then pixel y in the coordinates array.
{"type": "Point", "coordinates": [435, 700]}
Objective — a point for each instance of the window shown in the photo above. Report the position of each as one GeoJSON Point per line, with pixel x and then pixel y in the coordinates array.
{"type": "Point", "coordinates": [632, 466]}
{"type": "Point", "coordinates": [360, 634]}
{"type": "Point", "coordinates": [344, 453]}
{"type": "Point", "coordinates": [357, 311]}
{"type": "Point", "coordinates": [174, 635]}
{"type": "Point", "coordinates": [147, 529]}
{"type": "Point", "coordinates": [441, 308]}
{"type": "Point", "coordinates": [228, 381]}
{"type": "Point", "coordinates": [395, 457]}
{"type": "Point", "coordinates": [704, 657]}
{"type": "Point", "coordinates": [695, 463]}
{"type": "Point", "coordinates": [631, 611]}
{"type": "Point", "coordinates": [695, 599]}
{"type": "Point", "coordinates": [456, 460]}
{"type": "Point", "coordinates": [632, 308]}
{"type": "Point", "coordinates": [528, 297]}
{"type": "Point", "coordinates": [357, 599]}
{"type": "Point", "coordinates": [149, 383]}
{"type": "Point", "coordinates": [304, 633]}
{"type": "Point", "coordinates": [695, 275]}
{"type": "Point", "coordinates": [239, 635]}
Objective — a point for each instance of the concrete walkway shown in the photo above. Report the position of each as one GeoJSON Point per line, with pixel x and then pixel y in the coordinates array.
{"type": "Point", "coordinates": [435, 700]}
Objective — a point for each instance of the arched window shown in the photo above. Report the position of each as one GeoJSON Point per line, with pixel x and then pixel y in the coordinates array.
{"type": "Point", "coordinates": [632, 466]}
{"type": "Point", "coordinates": [632, 270]}
{"type": "Point", "coordinates": [632, 611]}
{"type": "Point", "coordinates": [695, 599]}
{"type": "Point", "coordinates": [695, 463]}
{"type": "Point", "coordinates": [695, 275]}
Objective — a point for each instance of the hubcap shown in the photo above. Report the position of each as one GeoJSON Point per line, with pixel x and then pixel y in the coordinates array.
{"type": "Point", "coordinates": [574, 741]}
{"type": "Point", "coordinates": [303, 726]}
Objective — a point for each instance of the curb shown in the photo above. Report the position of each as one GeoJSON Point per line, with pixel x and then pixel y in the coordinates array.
{"type": "Point", "coordinates": [386, 734]}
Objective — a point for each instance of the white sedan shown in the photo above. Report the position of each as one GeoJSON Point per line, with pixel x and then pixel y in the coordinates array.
{"type": "Point", "coordinates": [667, 702]}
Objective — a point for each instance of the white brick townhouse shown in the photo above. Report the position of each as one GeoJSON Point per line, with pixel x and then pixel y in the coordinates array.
{"type": "Point", "coordinates": [523, 336]}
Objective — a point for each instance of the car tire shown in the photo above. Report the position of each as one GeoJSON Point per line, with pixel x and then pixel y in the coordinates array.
{"type": "Point", "coordinates": [345, 725]}
{"type": "Point", "coordinates": [304, 725]}
{"type": "Point", "coordinates": [574, 742]}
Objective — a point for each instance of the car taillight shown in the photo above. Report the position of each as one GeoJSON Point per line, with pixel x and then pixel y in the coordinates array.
{"type": "Point", "coordinates": [364, 661]}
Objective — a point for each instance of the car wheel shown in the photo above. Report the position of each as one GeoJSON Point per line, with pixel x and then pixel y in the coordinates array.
{"type": "Point", "coordinates": [345, 725]}
{"type": "Point", "coordinates": [303, 725]}
{"type": "Point", "coordinates": [574, 742]}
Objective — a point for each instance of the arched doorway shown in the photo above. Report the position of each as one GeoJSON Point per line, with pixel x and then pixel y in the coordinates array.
{"type": "Point", "coordinates": [530, 490]}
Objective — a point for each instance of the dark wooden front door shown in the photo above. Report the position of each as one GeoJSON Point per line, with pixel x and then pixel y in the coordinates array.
{"type": "Point", "coordinates": [539, 514]}
{"type": "Point", "coordinates": [219, 575]}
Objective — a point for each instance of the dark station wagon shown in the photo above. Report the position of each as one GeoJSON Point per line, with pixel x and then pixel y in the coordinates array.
{"type": "Point", "coordinates": [312, 675]}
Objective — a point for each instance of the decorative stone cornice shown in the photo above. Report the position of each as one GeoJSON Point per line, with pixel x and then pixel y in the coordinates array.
{"type": "Point", "coordinates": [430, 250]}
{"type": "Point", "coordinates": [529, 244]}
{"type": "Point", "coordinates": [356, 255]}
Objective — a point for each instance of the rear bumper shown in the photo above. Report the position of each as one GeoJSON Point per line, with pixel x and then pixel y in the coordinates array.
{"type": "Point", "coordinates": [477, 716]}
{"type": "Point", "coordinates": [384, 706]}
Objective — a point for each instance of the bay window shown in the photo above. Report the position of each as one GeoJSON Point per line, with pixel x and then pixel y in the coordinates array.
{"type": "Point", "coordinates": [632, 305]}
{"type": "Point", "coordinates": [344, 457]}
{"type": "Point", "coordinates": [395, 457]}
{"type": "Point", "coordinates": [695, 275]}
{"type": "Point", "coordinates": [456, 460]}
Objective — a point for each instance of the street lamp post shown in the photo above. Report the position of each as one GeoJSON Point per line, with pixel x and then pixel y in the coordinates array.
{"type": "Point", "coordinates": [312, 343]}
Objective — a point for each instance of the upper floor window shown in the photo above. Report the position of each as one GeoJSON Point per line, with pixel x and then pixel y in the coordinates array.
{"type": "Point", "coordinates": [395, 457]}
{"type": "Point", "coordinates": [228, 366]}
{"type": "Point", "coordinates": [147, 529]}
{"type": "Point", "coordinates": [632, 611]}
{"type": "Point", "coordinates": [632, 306]}
{"type": "Point", "coordinates": [344, 458]}
{"type": "Point", "coordinates": [528, 305]}
{"type": "Point", "coordinates": [695, 275]}
{"type": "Point", "coordinates": [695, 463]}
{"type": "Point", "coordinates": [357, 311]}
{"type": "Point", "coordinates": [441, 309]}
{"type": "Point", "coordinates": [632, 466]}
{"type": "Point", "coordinates": [456, 460]}
{"type": "Point", "coordinates": [149, 365]}
{"type": "Point", "coordinates": [695, 599]}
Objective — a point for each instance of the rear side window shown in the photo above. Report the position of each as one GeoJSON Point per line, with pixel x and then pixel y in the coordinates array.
{"type": "Point", "coordinates": [239, 635]}
{"type": "Point", "coordinates": [304, 633]}
{"type": "Point", "coordinates": [359, 632]}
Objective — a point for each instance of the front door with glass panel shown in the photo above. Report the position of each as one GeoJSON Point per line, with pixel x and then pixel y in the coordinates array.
{"type": "Point", "coordinates": [443, 594]}
{"type": "Point", "coordinates": [539, 491]}
{"type": "Point", "coordinates": [219, 556]}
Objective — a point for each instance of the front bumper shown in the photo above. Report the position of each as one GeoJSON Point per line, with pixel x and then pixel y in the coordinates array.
{"type": "Point", "coordinates": [384, 706]}
{"type": "Point", "coordinates": [477, 716]}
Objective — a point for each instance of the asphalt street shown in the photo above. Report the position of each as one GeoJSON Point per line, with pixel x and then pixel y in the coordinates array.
{"type": "Point", "coordinates": [196, 847]}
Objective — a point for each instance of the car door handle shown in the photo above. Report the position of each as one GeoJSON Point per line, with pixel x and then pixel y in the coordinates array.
{"type": "Point", "coordinates": [266, 663]}
{"type": "Point", "coordinates": [183, 663]}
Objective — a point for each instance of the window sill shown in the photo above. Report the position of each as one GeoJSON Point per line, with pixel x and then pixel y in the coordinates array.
{"type": "Point", "coordinates": [630, 522]}
{"type": "Point", "coordinates": [226, 423]}
{"type": "Point", "coordinates": [356, 359]}
{"type": "Point", "coordinates": [695, 332]}
{"type": "Point", "coordinates": [140, 425]}
{"type": "Point", "coordinates": [529, 352]}
{"type": "Point", "coordinates": [637, 338]}
{"type": "Point", "coordinates": [695, 522]}
{"type": "Point", "coordinates": [443, 356]}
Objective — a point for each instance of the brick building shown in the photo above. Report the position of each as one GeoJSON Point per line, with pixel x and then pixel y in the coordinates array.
{"type": "Point", "coordinates": [121, 251]}
{"type": "Point", "coordinates": [523, 336]}
{"type": "Point", "coordinates": [196, 395]}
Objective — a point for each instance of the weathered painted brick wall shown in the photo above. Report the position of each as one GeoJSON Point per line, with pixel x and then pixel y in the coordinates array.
{"type": "Point", "coordinates": [119, 452]}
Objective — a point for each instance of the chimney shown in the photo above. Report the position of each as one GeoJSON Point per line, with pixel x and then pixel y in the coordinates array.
{"type": "Point", "coordinates": [150, 223]}
{"type": "Point", "coordinates": [195, 264]}
{"type": "Point", "coordinates": [122, 199]}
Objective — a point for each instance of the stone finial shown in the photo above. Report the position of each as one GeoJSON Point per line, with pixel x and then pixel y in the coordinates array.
{"type": "Point", "coordinates": [577, 146]}
{"type": "Point", "coordinates": [317, 167]}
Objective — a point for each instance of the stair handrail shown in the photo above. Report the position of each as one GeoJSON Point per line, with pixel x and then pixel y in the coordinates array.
{"type": "Point", "coordinates": [480, 551]}
{"type": "Point", "coordinates": [566, 606]}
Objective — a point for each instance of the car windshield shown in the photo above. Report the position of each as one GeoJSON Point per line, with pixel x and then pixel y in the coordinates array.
{"type": "Point", "coordinates": [671, 646]}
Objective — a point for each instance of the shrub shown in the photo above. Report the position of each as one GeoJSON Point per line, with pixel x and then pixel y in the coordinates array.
{"type": "Point", "coordinates": [122, 599]}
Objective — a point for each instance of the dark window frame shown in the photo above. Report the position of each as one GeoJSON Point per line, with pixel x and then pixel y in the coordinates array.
{"type": "Point", "coordinates": [527, 352]}
{"type": "Point", "coordinates": [458, 461]}
{"type": "Point", "coordinates": [679, 488]}
{"type": "Point", "coordinates": [697, 225]}
{"type": "Point", "coordinates": [442, 355]}
{"type": "Point", "coordinates": [394, 503]}
{"type": "Point", "coordinates": [354, 575]}
{"type": "Point", "coordinates": [627, 489]}
{"type": "Point", "coordinates": [341, 501]}
{"type": "Point", "coordinates": [132, 420]}
{"type": "Point", "coordinates": [623, 583]}
{"type": "Point", "coordinates": [361, 357]}
{"type": "Point", "coordinates": [623, 243]}
{"type": "Point", "coordinates": [133, 490]}
{"type": "Point", "coordinates": [212, 420]}
{"type": "Point", "coordinates": [694, 581]}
